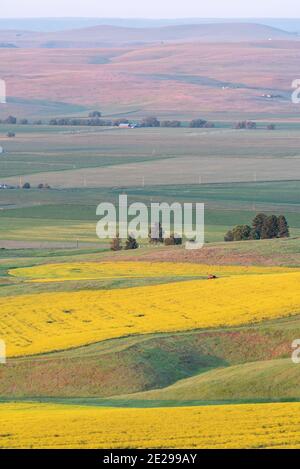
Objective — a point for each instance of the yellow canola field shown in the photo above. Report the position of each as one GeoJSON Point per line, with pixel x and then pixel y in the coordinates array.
{"type": "Point", "coordinates": [46, 322]}
{"type": "Point", "coordinates": [106, 270]}
{"type": "Point", "coordinates": [229, 426]}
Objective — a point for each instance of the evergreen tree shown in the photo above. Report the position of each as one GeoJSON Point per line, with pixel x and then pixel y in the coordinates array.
{"type": "Point", "coordinates": [258, 224]}
{"type": "Point", "coordinates": [270, 228]}
{"type": "Point", "coordinates": [283, 227]}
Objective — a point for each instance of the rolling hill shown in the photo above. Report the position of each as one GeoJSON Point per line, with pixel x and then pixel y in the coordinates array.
{"type": "Point", "coordinates": [170, 79]}
{"type": "Point", "coordinates": [107, 36]}
{"type": "Point", "coordinates": [258, 380]}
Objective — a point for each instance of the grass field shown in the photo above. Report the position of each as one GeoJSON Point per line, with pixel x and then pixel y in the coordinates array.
{"type": "Point", "coordinates": [70, 215]}
{"type": "Point", "coordinates": [69, 156]}
{"type": "Point", "coordinates": [85, 166]}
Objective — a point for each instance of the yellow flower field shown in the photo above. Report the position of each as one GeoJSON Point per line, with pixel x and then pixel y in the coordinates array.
{"type": "Point", "coordinates": [45, 322]}
{"type": "Point", "coordinates": [229, 426]}
{"type": "Point", "coordinates": [105, 270]}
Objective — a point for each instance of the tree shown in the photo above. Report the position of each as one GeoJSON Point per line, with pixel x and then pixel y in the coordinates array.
{"type": "Point", "coordinates": [253, 235]}
{"type": "Point", "coordinates": [131, 243]}
{"type": "Point", "coordinates": [116, 244]}
{"type": "Point", "coordinates": [24, 121]}
{"type": "Point", "coordinates": [245, 125]}
{"type": "Point", "coordinates": [178, 240]}
{"type": "Point", "coordinates": [241, 232]}
{"type": "Point", "coordinates": [270, 228]}
{"type": "Point", "coordinates": [95, 114]}
{"type": "Point", "coordinates": [156, 234]}
{"type": "Point", "coordinates": [257, 225]}
{"type": "Point", "coordinates": [173, 240]}
{"type": "Point", "coordinates": [10, 120]}
{"type": "Point", "coordinates": [150, 122]}
{"type": "Point", "coordinates": [229, 236]}
{"type": "Point", "coordinates": [174, 124]}
{"type": "Point", "coordinates": [271, 127]}
{"type": "Point", "coordinates": [283, 227]}
{"type": "Point", "coordinates": [198, 123]}
{"type": "Point", "coordinates": [251, 125]}
{"type": "Point", "coordinates": [263, 227]}
{"type": "Point", "coordinates": [26, 185]}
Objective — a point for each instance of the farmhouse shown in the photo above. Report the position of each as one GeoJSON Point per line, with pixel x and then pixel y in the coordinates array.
{"type": "Point", "coordinates": [124, 126]}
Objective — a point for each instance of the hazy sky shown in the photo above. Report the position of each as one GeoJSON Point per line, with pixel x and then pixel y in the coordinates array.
{"type": "Point", "coordinates": [151, 8]}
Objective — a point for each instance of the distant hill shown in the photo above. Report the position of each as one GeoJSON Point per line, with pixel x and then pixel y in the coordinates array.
{"type": "Point", "coordinates": [62, 24]}
{"type": "Point", "coordinates": [175, 79]}
{"type": "Point", "coordinates": [109, 36]}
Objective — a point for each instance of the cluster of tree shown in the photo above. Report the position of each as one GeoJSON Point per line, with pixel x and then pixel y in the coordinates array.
{"type": "Point", "coordinates": [195, 123]}
{"type": "Point", "coordinates": [156, 237]}
{"type": "Point", "coordinates": [173, 240]}
{"type": "Point", "coordinates": [251, 125]}
{"type": "Point", "coordinates": [94, 119]}
{"type": "Point", "coordinates": [27, 185]}
{"type": "Point", "coordinates": [9, 120]}
{"type": "Point", "coordinates": [173, 124]}
{"type": "Point", "coordinates": [263, 227]}
{"type": "Point", "coordinates": [150, 122]}
{"type": "Point", "coordinates": [90, 121]}
{"type": "Point", "coordinates": [12, 120]}
{"type": "Point", "coordinates": [201, 124]}
{"type": "Point", "coordinates": [131, 243]}
{"type": "Point", "coordinates": [245, 125]}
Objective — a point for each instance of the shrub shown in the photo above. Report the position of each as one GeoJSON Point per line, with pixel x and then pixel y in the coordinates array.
{"type": "Point", "coordinates": [131, 243]}
{"type": "Point", "coordinates": [116, 244]}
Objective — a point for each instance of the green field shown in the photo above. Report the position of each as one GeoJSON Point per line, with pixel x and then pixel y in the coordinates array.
{"type": "Point", "coordinates": [69, 156]}
{"type": "Point", "coordinates": [68, 215]}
